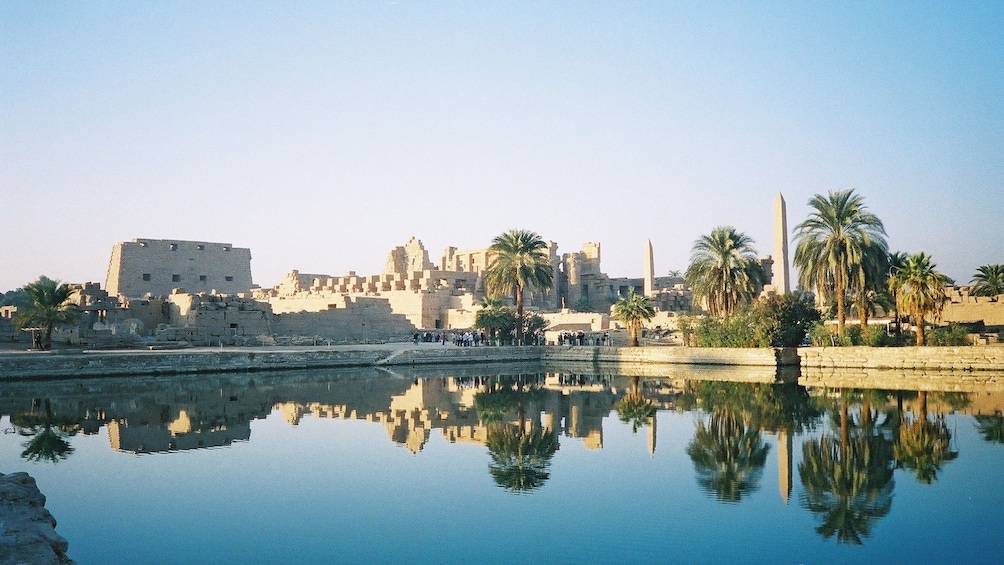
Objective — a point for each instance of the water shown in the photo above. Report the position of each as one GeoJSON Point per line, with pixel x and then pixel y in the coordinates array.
{"type": "Point", "coordinates": [368, 466]}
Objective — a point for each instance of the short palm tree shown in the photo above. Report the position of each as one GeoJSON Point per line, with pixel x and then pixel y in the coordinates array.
{"type": "Point", "coordinates": [724, 271]}
{"type": "Point", "coordinates": [50, 307]}
{"type": "Point", "coordinates": [494, 317]}
{"type": "Point", "coordinates": [519, 261]}
{"type": "Point", "coordinates": [919, 290]}
{"type": "Point", "coordinates": [633, 309]}
{"type": "Point", "coordinates": [897, 260]}
{"type": "Point", "coordinates": [988, 280]}
{"type": "Point", "coordinates": [834, 241]}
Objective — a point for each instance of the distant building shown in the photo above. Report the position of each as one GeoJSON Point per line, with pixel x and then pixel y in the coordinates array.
{"type": "Point", "coordinates": [157, 267]}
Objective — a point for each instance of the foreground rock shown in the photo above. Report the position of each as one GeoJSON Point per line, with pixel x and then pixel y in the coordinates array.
{"type": "Point", "coordinates": [27, 529]}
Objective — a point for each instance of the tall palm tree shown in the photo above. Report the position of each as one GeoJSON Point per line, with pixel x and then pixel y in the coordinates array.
{"type": "Point", "coordinates": [633, 309]}
{"type": "Point", "coordinates": [519, 261]}
{"type": "Point", "coordinates": [833, 241]}
{"type": "Point", "coordinates": [920, 290]}
{"type": "Point", "coordinates": [988, 280]}
{"type": "Point", "coordinates": [50, 307]}
{"type": "Point", "coordinates": [724, 271]}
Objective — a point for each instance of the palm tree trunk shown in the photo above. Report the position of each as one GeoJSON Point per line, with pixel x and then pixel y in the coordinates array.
{"type": "Point", "coordinates": [518, 296]}
{"type": "Point", "coordinates": [921, 338]}
{"type": "Point", "coordinates": [48, 337]}
{"type": "Point", "coordinates": [838, 286]}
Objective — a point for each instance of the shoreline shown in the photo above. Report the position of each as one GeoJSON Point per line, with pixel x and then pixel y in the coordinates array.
{"type": "Point", "coordinates": [977, 360]}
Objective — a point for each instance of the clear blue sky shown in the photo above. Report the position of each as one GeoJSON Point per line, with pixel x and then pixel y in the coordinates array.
{"type": "Point", "coordinates": [323, 134]}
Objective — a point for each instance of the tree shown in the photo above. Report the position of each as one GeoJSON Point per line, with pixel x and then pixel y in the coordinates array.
{"type": "Point", "coordinates": [724, 271]}
{"type": "Point", "coordinates": [834, 243]}
{"type": "Point", "coordinates": [920, 290]}
{"type": "Point", "coordinates": [50, 307]}
{"type": "Point", "coordinates": [633, 309]}
{"type": "Point", "coordinates": [988, 280]}
{"type": "Point", "coordinates": [519, 261]}
{"type": "Point", "coordinates": [494, 318]}
{"type": "Point", "coordinates": [868, 280]}
{"type": "Point", "coordinates": [897, 260]}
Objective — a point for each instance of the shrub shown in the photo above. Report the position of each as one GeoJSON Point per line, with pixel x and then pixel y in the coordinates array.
{"type": "Point", "coordinates": [876, 336]}
{"type": "Point", "coordinates": [821, 335]}
{"type": "Point", "coordinates": [953, 335]}
{"type": "Point", "coordinates": [781, 321]}
{"type": "Point", "coordinates": [850, 336]}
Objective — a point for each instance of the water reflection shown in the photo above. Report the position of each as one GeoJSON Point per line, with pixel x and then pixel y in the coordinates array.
{"type": "Point", "coordinates": [991, 427]}
{"type": "Point", "coordinates": [848, 479]}
{"type": "Point", "coordinates": [924, 443]}
{"type": "Point", "coordinates": [48, 432]}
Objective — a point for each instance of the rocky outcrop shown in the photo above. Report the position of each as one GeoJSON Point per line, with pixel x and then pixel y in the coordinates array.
{"type": "Point", "coordinates": [27, 529]}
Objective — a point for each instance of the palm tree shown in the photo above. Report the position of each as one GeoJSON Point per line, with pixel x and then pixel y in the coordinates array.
{"type": "Point", "coordinates": [633, 309]}
{"type": "Point", "coordinates": [897, 260]}
{"type": "Point", "coordinates": [494, 318]}
{"type": "Point", "coordinates": [834, 241]}
{"type": "Point", "coordinates": [988, 280]}
{"type": "Point", "coordinates": [521, 458]}
{"type": "Point", "coordinates": [50, 307]}
{"type": "Point", "coordinates": [868, 280]}
{"type": "Point", "coordinates": [724, 271]}
{"type": "Point", "coordinates": [519, 261]}
{"type": "Point", "coordinates": [920, 290]}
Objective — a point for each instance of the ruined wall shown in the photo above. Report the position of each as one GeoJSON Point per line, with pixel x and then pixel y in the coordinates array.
{"type": "Point", "coordinates": [966, 309]}
{"type": "Point", "coordinates": [156, 267]}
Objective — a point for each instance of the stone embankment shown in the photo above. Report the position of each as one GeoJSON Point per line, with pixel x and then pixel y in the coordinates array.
{"type": "Point", "coordinates": [27, 529]}
{"type": "Point", "coordinates": [644, 361]}
{"type": "Point", "coordinates": [969, 358]}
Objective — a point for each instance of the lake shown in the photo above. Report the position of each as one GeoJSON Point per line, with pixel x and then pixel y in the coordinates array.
{"type": "Point", "coordinates": [509, 464]}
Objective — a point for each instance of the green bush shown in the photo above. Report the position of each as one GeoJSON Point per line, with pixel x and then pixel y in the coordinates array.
{"type": "Point", "coordinates": [876, 336]}
{"type": "Point", "coordinates": [850, 336]}
{"type": "Point", "coordinates": [953, 335]}
{"type": "Point", "coordinates": [821, 335]}
{"type": "Point", "coordinates": [780, 321]}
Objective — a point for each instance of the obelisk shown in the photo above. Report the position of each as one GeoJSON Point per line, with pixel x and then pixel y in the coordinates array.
{"type": "Point", "coordinates": [781, 281]}
{"type": "Point", "coordinates": [649, 271]}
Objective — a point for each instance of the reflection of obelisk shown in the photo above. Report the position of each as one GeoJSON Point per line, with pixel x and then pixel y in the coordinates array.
{"type": "Point", "coordinates": [649, 271]}
{"type": "Point", "coordinates": [781, 281]}
{"type": "Point", "coordinates": [784, 464]}
{"type": "Point", "coordinates": [651, 435]}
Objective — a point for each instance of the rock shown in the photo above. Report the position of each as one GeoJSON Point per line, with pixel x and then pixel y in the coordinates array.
{"type": "Point", "coordinates": [27, 529]}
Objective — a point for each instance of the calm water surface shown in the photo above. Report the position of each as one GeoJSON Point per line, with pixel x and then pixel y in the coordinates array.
{"type": "Point", "coordinates": [507, 466]}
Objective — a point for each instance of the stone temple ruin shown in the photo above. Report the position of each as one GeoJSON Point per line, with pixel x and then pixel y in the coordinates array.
{"type": "Point", "coordinates": [174, 291]}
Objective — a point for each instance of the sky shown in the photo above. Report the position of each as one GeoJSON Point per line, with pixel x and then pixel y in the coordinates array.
{"type": "Point", "coordinates": [322, 135]}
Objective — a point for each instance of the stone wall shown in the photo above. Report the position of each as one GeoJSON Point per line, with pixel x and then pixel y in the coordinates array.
{"type": "Point", "coordinates": [968, 358]}
{"type": "Point", "coordinates": [157, 266]}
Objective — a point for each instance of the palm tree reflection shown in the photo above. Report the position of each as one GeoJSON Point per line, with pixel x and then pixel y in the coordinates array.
{"type": "Point", "coordinates": [924, 445]}
{"type": "Point", "coordinates": [521, 452]}
{"type": "Point", "coordinates": [728, 455]}
{"type": "Point", "coordinates": [991, 427]}
{"type": "Point", "coordinates": [47, 434]}
{"type": "Point", "coordinates": [848, 479]}
{"type": "Point", "coordinates": [633, 408]}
